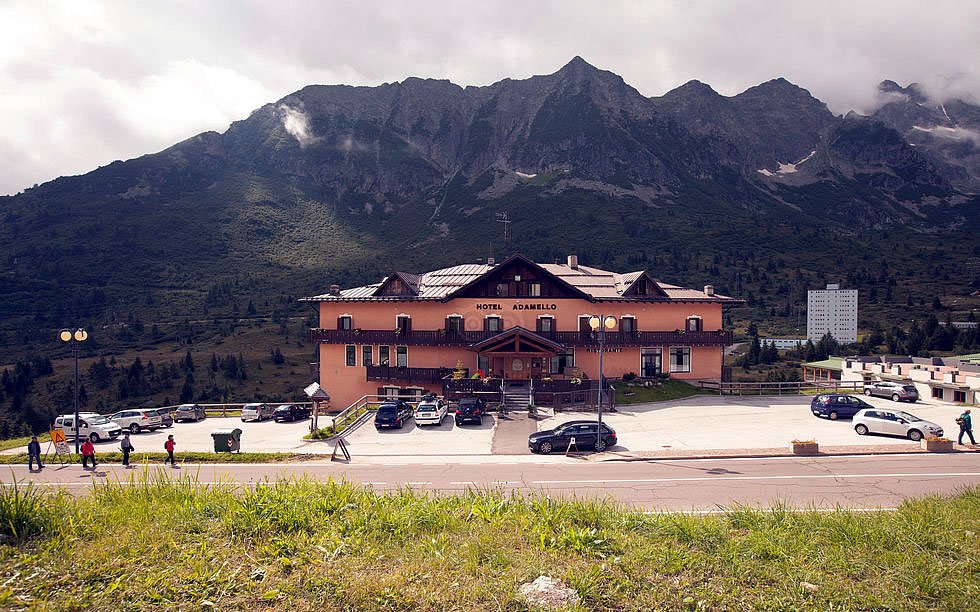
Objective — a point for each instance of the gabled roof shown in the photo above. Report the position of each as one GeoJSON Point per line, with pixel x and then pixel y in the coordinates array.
{"type": "Point", "coordinates": [518, 334]}
{"type": "Point", "coordinates": [581, 281]}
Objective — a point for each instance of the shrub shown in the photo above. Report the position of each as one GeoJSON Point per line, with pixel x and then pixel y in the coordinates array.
{"type": "Point", "coordinates": [629, 376]}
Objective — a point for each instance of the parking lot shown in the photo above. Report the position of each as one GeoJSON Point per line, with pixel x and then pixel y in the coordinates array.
{"type": "Point", "coordinates": [712, 422]}
{"type": "Point", "coordinates": [697, 423]}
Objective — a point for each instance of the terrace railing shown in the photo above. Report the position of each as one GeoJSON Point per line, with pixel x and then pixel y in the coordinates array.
{"type": "Point", "coordinates": [780, 388]}
{"type": "Point", "coordinates": [442, 337]}
{"type": "Point", "coordinates": [431, 376]}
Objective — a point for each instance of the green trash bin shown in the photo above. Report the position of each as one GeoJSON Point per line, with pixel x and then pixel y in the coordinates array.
{"type": "Point", "coordinates": [227, 440]}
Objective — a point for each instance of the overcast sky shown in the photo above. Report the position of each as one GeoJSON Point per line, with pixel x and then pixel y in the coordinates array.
{"type": "Point", "coordinates": [83, 83]}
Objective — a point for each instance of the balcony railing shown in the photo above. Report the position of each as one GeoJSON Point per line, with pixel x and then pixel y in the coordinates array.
{"type": "Point", "coordinates": [430, 376]}
{"type": "Point", "coordinates": [442, 337]}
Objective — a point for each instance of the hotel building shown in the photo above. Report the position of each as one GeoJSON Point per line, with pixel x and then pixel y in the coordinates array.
{"type": "Point", "coordinates": [517, 320]}
{"type": "Point", "coordinates": [832, 311]}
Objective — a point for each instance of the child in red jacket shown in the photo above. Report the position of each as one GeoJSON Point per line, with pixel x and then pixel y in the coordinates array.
{"type": "Point", "coordinates": [88, 452]}
{"type": "Point", "coordinates": [169, 447]}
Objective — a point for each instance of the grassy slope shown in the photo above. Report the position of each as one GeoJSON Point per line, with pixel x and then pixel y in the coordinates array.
{"type": "Point", "coordinates": [667, 390]}
{"type": "Point", "coordinates": [334, 546]}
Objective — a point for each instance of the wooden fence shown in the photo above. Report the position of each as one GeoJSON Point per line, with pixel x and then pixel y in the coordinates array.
{"type": "Point", "coordinates": [780, 388]}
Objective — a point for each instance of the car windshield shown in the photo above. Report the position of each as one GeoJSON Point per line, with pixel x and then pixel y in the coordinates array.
{"type": "Point", "coordinates": [99, 420]}
{"type": "Point", "coordinates": [907, 416]}
{"type": "Point", "coordinates": [429, 408]}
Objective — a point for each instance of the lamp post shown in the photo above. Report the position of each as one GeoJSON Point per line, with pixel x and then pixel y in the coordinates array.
{"type": "Point", "coordinates": [599, 325]}
{"type": "Point", "coordinates": [74, 336]}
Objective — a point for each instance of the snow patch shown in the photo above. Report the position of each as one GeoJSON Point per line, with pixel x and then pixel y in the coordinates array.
{"type": "Point", "coordinates": [943, 106]}
{"type": "Point", "coordinates": [524, 175]}
{"type": "Point", "coordinates": [786, 168]}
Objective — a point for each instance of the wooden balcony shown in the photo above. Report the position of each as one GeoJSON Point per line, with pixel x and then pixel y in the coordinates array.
{"type": "Point", "coordinates": [442, 337]}
{"type": "Point", "coordinates": [431, 376]}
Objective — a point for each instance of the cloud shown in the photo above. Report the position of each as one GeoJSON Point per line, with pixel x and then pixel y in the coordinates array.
{"type": "Point", "coordinates": [85, 83]}
{"type": "Point", "coordinates": [297, 123]}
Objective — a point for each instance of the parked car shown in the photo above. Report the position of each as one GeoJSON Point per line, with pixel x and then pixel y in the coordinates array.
{"type": "Point", "coordinates": [258, 412]}
{"type": "Point", "coordinates": [430, 411]}
{"type": "Point", "coordinates": [166, 419]}
{"type": "Point", "coordinates": [584, 433]}
{"type": "Point", "coordinates": [470, 409]}
{"type": "Point", "coordinates": [837, 405]}
{"type": "Point", "coordinates": [291, 412]}
{"type": "Point", "coordinates": [894, 423]}
{"type": "Point", "coordinates": [898, 392]}
{"type": "Point", "coordinates": [90, 425]}
{"type": "Point", "coordinates": [392, 414]}
{"type": "Point", "coordinates": [137, 420]}
{"type": "Point", "coordinates": [189, 412]}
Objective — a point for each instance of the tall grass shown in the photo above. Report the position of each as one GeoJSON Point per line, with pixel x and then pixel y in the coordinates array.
{"type": "Point", "coordinates": [163, 540]}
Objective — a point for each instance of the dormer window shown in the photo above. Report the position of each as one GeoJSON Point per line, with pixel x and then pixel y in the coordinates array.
{"type": "Point", "coordinates": [694, 324]}
{"type": "Point", "coordinates": [345, 322]}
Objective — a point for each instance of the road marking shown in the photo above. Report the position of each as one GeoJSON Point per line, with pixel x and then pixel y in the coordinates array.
{"type": "Point", "coordinates": [492, 482]}
{"type": "Point", "coordinates": [713, 478]}
{"type": "Point", "coordinates": [729, 510]}
{"type": "Point", "coordinates": [415, 484]}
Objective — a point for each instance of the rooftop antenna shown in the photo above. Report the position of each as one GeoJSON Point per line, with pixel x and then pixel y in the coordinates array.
{"type": "Point", "coordinates": [502, 217]}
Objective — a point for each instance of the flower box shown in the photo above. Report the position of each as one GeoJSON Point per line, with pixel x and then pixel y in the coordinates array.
{"type": "Point", "coordinates": [936, 445]}
{"type": "Point", "coordinates": [804, 447]}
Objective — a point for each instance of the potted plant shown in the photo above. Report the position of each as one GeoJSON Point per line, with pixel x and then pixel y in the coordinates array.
{"type": "Point", "coordinates": [935, 444]}
{"type": "Point", "coordinates": [804, 447]}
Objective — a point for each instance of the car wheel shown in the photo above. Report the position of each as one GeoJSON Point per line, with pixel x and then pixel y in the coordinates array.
{"type": "Point", "coordinates": [243, 420]}
{"type": "Point", "coordinates": [833, 415]}
{"type": "Point", "coordinates": [458, 422]}
{"type": "Point", "coordinates": [134, 428]}
{"type": "Point", "coordinates": [862, 430]}
{"type": "Point", "coordinates": [94, 437]}
{"type": "Point", "coordinates": [915, 435]}
{"type": "Point", "coordinates": [600, 445]}
{"type": "Point", "coordinates": [895, 397]}
{"type": "Point", "coordinates": [545, 448]}
{"type": "Point", "coordinates": [867, 392]}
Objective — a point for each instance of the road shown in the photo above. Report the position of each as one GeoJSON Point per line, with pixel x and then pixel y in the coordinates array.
{"type": "Point", "coordinates": [860, 482]}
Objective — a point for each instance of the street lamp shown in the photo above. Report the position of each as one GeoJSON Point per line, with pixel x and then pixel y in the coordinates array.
{"type": "Point", "coordinates": [599, 325]}
{"type": "Point", "coordinates": [74, 336]}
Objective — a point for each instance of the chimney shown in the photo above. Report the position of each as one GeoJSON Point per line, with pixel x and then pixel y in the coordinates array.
{"type": "Point", "coordinates": [491, 261]}
{"type": "Point", "coordinates": [334, 289]}
{"type": "Point", "coordinates": [709, 289]}
{"type": "Point", "coordinates": [573, 262]}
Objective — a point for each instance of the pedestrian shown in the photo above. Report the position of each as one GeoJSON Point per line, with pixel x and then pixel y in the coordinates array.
{"type": "Point", "coordinates": [34, 453]}
{"type": "Point", "coordinates": [88, 452]}
{"type": "Point", "coordinates": [169, 446]}
{"type": "Point", "coordinates": [966, 427]}
{"type": "Point", "coordinates": [127, 447]}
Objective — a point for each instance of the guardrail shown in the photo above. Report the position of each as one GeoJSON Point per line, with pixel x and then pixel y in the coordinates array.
{"type": "Point", "coordinates": [226, 410]}
{"type": "Point", "coordinates": [779, 388]}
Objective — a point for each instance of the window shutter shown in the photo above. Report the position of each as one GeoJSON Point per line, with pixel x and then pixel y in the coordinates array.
{"type": "Point", "coordinates": [340, 322]}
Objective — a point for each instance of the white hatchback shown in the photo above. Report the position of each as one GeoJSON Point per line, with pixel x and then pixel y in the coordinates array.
{"type": "Point", "coordinates": [431, 412]}
{"type": "Point", "coordinates": [258, 412]}
{"type": "Point", "coordinates": [894, 423]}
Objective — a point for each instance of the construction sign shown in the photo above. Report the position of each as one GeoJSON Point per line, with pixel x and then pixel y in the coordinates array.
{"type": "Point", "coordinates": [60, 443]}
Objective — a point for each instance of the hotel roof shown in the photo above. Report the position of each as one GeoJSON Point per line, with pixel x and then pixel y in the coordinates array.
{"type": "Point", "coordinates": [593, 283]}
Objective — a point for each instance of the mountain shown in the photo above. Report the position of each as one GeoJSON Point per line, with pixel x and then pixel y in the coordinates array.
{"type": "Point", "coordinates": [345, 184]}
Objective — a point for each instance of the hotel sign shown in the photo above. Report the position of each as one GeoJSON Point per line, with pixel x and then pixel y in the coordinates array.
{"type": "Point", "coordinates": [539, 306]}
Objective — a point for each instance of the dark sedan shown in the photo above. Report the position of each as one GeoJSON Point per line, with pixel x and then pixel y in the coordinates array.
{"type": "Point", "coordinates": [837, 405]}
{"type": "Point", "coordinates": [392, 414]}
{"type": "Point", "coordinates": [291, 412]}
{"type": "Point", "coordinates": [560, 438]}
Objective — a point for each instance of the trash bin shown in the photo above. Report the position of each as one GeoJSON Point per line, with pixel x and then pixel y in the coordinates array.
{"type": "Point", "coordinates": [227, 440]}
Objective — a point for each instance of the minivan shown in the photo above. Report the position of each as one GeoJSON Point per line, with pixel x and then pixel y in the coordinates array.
{"type": "Point", "coordinates": [93, 426]}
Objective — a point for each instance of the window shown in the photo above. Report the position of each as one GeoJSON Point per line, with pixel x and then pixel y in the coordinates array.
{"type": "Point", "coordinates": [937, 392]}
{"type": "Point", "coordinates": [959, 396]}
{"type": "Point", "coordinates": [546, 324]}
{"type": "Point", "coordinates": [483, 363]}
{"type": "Point", "coordinates": [366, 355]}
{"type": "Point", "coordinates": [534, 289]}
{"type": "Point", "coordinates": [391, 392]}
{"type": "Point", "coordinates": [351, 355]}
{"type": "Point", "coordinates": [561, 361]}
{"type": "Point", "coordinates": [651, 362]}
{"type": "Point", "coordinates": [680, 359]}
{"type": "Point", "coordinates": [503, 289]}
{"type": "Point", "coordinates": [384, 355]}
{"type": "Point", "coordinates": [627, 324]}
{"type": "Point", "coordinates": [401, 356]}
{"type": "Point", "coordinates": [694, 324]}
{"type": "Point", "coordinates": [493, 323]}
{"type": "Point", "coordinates": [583, 324]}
{"type": "Point", "coordinates": [403, 323]}
{"type": "Point", "coordinates": [345, 322]}
{"type": "Point", "coordinates": [454, 323]}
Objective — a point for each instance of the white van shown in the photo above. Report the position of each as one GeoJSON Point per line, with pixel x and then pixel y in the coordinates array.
{"type": "Point", "coordinates": [91, 425]}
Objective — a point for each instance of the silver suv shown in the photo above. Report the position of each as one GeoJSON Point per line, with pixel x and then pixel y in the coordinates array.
{"type": "Point", "coordinates": [137, 420]}
{"type": "Point", "coordinates": [897, 391]}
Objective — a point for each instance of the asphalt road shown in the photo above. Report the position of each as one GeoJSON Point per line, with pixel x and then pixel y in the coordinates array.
{"type": "Point", "coordinates": [862, 482]}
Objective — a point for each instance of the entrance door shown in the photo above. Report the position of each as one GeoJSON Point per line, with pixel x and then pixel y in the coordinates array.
{"type": "Point", "coordinates": [651, 362]}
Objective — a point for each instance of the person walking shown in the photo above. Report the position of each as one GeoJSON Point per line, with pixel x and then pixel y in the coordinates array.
{"type": "Point", "coordinates": [127, 447]}
{"type": "Point", "coordinates": [169, 446]}
{"type": "Point", "coordinates": [34, 453]}
{"type": "Point", "coordinates": [88, 452]}
{"type": "Point", "coordinates": [966, 427]}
